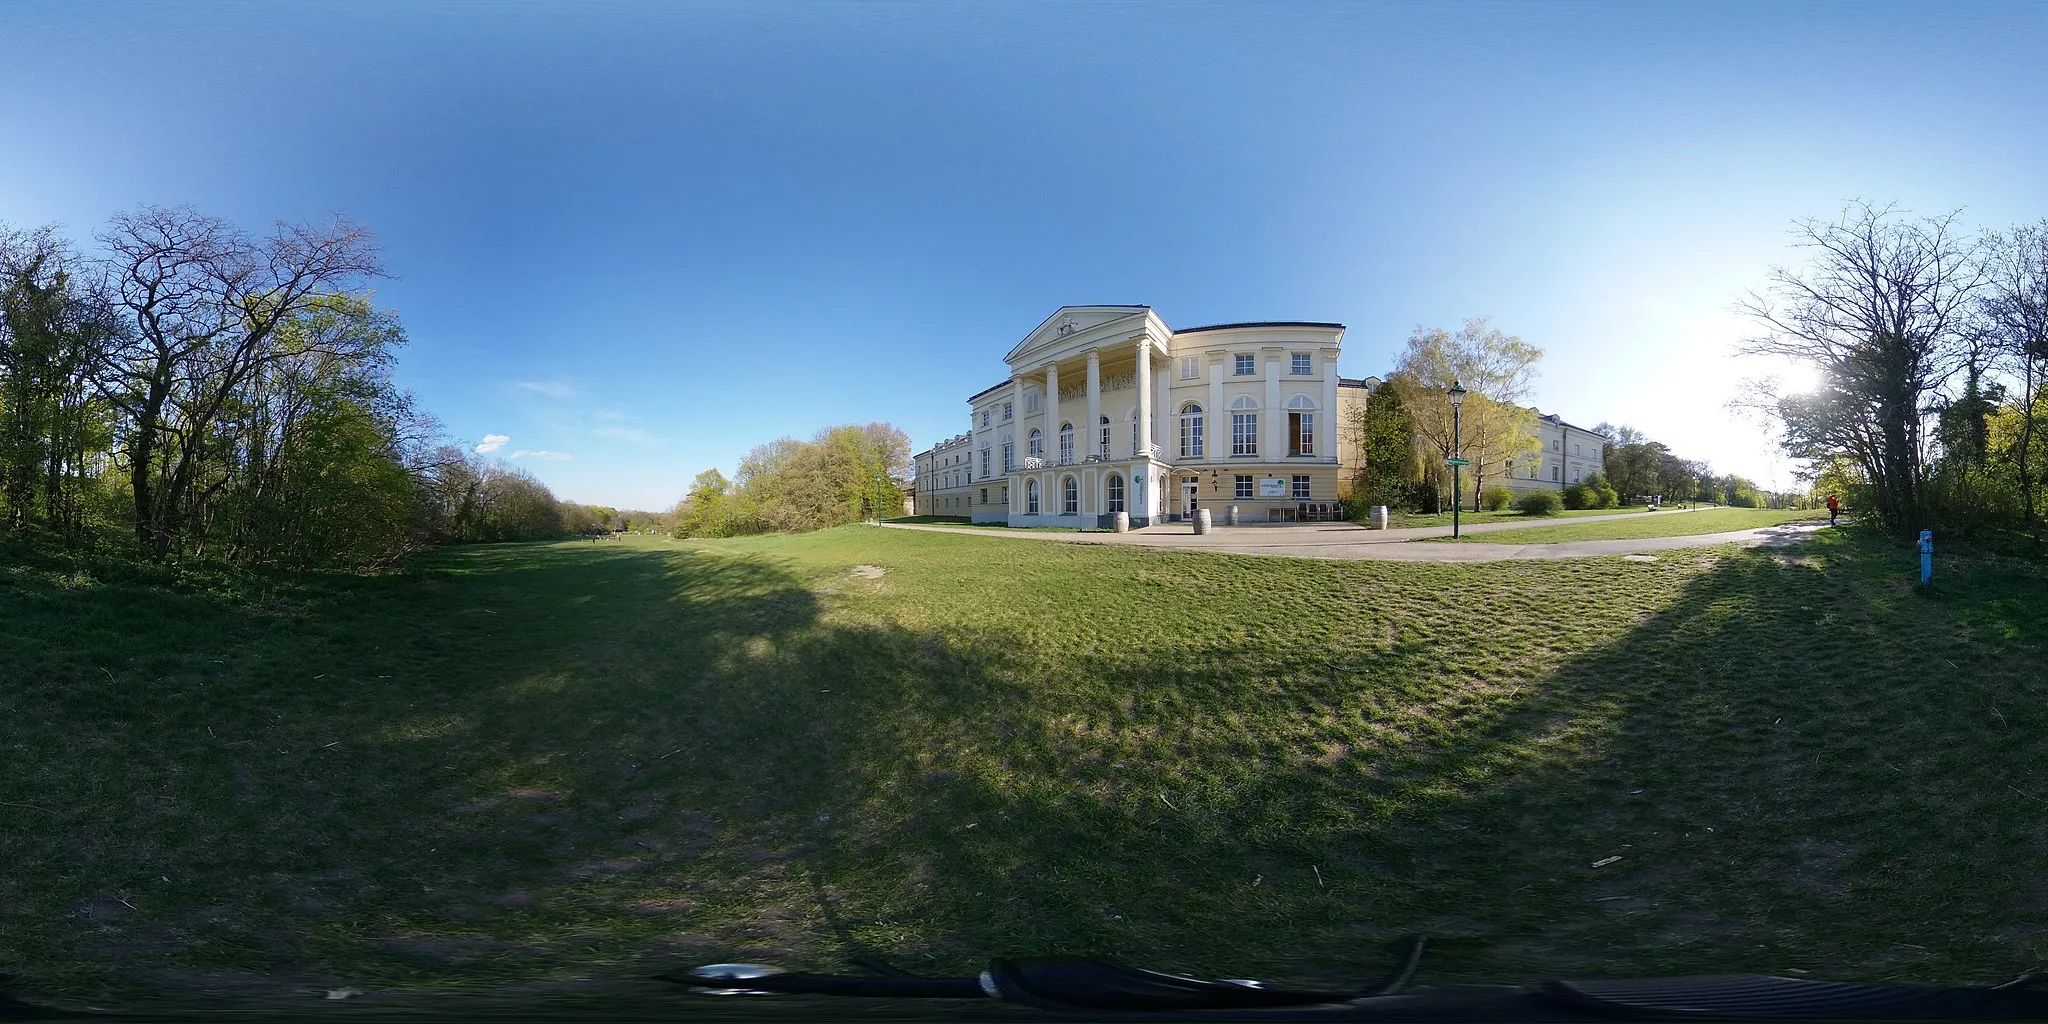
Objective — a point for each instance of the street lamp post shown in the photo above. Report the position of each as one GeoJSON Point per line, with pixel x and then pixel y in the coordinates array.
{"type": "Point", "coordinates": [1457, 460]}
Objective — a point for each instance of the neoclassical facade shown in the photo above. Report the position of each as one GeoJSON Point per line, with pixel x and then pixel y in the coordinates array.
{"type": "Point", "coordinates": [1107, 410]}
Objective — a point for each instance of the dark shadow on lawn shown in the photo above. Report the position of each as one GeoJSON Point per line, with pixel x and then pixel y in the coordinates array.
{"type": "Point", "coordinates": [560, 762]}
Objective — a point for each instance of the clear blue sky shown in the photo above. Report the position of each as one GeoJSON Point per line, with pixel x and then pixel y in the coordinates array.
{"type": "Point", "coordinates": [651, 236]}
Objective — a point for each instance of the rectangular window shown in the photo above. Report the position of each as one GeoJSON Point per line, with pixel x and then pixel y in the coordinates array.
{"type": "Point", "coordinates": [1244, 365]}
{"type": "Point", "coordinates": [1190, 368]}
{"type": "Point", "coordinates": [1006, 410]}
{"type": "Point", "coordinates": [1575, 449]}
{"type": "Point", "coordinates": [984, 495]}
{"type": "Point", "coordinates": [984, 417]}
{"type": "Point", "coordinates": [1575, 474]}
{"type": "Point", "coordinates": [984, 463]}
{"type": "Point", "coordinates": [1244, 433]}
{"type": "Point", "coordinates": [1301, 488]}
{"type": "Point", "coordinates": [1301, 433]}
{"type": "Point", "coordinates": [1009, 456]}
{"type": "Point", "coordinates": [1006, 494]}
{"type": "Point", "coordinates": [1302, 364]}
{"type": "Point", "coordinates": [1030, 402]}
{"type": "Point", "coordinates": [1244, 486]}
{"type": "Point", "coordinates": [1554, 471]}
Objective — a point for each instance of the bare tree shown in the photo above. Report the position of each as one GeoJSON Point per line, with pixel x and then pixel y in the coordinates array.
{"type": "Point", "coordinates": [203, 303]}
{"type": "Point", "coordinates": [2015, 311]}
{"type": "Point", "coordinates": [1883, 311]}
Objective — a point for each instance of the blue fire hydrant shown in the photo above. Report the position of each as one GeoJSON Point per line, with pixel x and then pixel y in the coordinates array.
{"type": "Point", "coordinates": [1927, 559]}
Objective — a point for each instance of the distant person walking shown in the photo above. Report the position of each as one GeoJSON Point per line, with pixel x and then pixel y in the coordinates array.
{"type": "Point", "coordinates": [1834, 508]}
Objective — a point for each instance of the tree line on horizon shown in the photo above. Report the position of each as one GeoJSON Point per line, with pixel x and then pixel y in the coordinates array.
{"type": "Point", "coordinates": [1405, 435]}
{"type": "Point", "coordinates": [212, 395]}
{"type": "Point", "coordinates": [842, 475]}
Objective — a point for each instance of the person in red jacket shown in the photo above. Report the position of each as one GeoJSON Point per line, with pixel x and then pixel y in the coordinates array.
{"type": "Point", "coordinates": [1834, 508]}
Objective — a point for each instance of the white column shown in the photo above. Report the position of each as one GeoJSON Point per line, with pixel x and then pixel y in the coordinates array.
{"type": "Point", "coordinates": [1143, 382]}
{"type": "Point", "coordinates": [1052, 417]}
{"type": "Point", "coordinates": [1163, 435]}
{"type": "Point", "coordinates": [1326, 428]}
{"type": "Point", "coordinates": [1093, 435]}
{"type": "Point", "coordinates": [1273, 427]}
{"type": "Point", "coordinates": [1216, 421]}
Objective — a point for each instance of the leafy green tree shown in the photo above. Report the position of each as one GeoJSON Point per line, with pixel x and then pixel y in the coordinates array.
{"type": "Point", "coordinates": [1496, 369]}
{"type": "Point", "coordinates": [1390, 464]}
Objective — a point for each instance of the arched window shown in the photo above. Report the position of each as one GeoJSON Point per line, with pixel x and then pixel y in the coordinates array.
{"type": "Point", "coordinates": [1102, 441]}
{"type": "Point", "coordinates": [1031, 493]}
{"type": "Point", "coordinates": [1191, 431]}
{"type": "Point", "coordinates": [1244, 426]}
{"type": "Point", "coordinates": [1301, 425]}
{"type": "Point", "coordinates": [1116, 493]}
{"type": "Point", "coordinates": [1066, 444]}
{"type": "Point", "coordinates": [1035, 444]}
{"type": "Point", "coordinates": [1070, 497]}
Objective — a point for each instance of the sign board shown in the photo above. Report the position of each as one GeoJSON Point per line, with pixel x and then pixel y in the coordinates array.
{"type": "Point", "coordinates": [1457, 462]}
{"type": "Point", "coordinates": [1273, 487]}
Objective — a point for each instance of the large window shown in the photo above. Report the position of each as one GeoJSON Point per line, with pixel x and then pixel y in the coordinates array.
{"type": "Point", "coordinates": [1190, 367]}
{"type": "Point", "coordinates": [1006, 410]}
{"type": "Point", "coordinates": [1303, 364]}
{"type": "Point", "coordinates": [1245, 367]}
{"type": "Point", "coordinates": [1070, 497]}
{"type": "Point", "coordinates": [1031, 497]}
{"type": "Point", "coordinates": [1116, 493]}
{"type": "Point", "coordinates": [985, 474]}
{"type": "Point", "coordinates": [1244, 486]}
{"type": "Point", "coordinates": [1301, 488]}
{"type": "Point", "coordinates": [1030, 402]}
{"type": "Point", "coordinates": [1191, 432]}
{"type": "Point", "coordinates": [1009, 456]}
{"type": "Point", "coordinates": [1034, 444]}
{"type": "Point", "coordinates": [984, 417]}
{"type": "Point", "coordinates": [1301, 426]}
{"type": "Point", "coordinates": [1066, 443]}
{"type": "Point", "coordinates": [1102, 439]}
{"type": "Point", "coordinates": [1244, 426]}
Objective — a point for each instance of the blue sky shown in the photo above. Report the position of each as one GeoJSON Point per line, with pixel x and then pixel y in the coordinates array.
{"type": "Point", "coordinates": [650, 236]}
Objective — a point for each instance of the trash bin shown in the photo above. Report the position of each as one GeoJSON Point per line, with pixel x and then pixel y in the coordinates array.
{"type": "Point", "coordinates": [1230, 517]}
{"type": "Point", "coordinates": [1123, 522]}
{"type": "Point", "coordinates": [1202, 520]}
{"type": "Point", "coordinates": [1380, 517]}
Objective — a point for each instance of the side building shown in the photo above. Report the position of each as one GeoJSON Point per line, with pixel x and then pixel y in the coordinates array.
{"type": "Point", "coordinates": [941, 482]}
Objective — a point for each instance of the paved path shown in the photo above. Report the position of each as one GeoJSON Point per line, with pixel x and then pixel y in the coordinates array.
{"type": "Point", "coordinates": [1349, 541]}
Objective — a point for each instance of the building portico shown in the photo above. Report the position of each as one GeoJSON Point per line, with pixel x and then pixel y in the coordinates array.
{"type": "Point", "coordinates": [1107, 410]}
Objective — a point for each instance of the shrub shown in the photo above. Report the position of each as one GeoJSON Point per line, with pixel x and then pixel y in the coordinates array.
{"type": "Point", "coordinates": [1540, 503]}
{"type": "Point", "coordinates": [1575, 496]}
{"type": "Point", "coordinates": [1496, 498]}
{"type": "Point", "coordinates": [1600, 493]}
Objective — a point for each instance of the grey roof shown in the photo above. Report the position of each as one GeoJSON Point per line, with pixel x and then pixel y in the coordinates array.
{"type": "Point", "coordinates": [1259, 323]}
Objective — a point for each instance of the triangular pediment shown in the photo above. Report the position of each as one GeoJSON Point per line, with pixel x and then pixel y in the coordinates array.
{"type": "Point", "coordinates": [1067, 322]}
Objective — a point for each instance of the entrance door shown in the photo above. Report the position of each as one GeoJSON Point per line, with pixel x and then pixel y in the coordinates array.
{"type": "Point", "coordinates": [1188, 487]}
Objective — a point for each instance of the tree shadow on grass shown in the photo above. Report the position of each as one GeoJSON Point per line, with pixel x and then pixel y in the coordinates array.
{"type": "Point", "coordinates": [556, 763]}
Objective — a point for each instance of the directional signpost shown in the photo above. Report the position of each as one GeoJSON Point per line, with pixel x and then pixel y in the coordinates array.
{"type": "Point", "coordinates": [1457, 462]}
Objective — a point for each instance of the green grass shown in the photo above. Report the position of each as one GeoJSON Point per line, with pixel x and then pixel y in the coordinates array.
{"type": "Point", "coordinates": [1468, 517]}
{"type": "Point", "coordinates": [546, 762]}
{"type": "Point", "coordinates": [1663, 524]}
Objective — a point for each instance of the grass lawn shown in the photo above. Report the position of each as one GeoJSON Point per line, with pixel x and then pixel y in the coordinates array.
{"type": "Point", "coordinates": [1471, 518]}
{"type": "Point", "coordinates": [1663, 524]}
{"type": "Point", "coordinates": [543, 762]}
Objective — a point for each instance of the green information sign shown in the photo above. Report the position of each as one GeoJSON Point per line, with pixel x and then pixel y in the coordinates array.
{"type": "Point", "coordinates": [1457, 462]}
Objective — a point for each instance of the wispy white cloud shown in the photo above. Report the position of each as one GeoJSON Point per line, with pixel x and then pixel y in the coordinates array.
{"type": "Point", "coordinates": [551, 388]}
{"type": "Point", "coordinates": [546, 456]}
{"type": "Point", "coordinates": [633, 434]}
{"type": "Point", "coordinates": [491, 443]}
